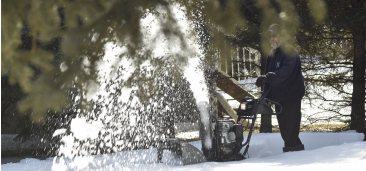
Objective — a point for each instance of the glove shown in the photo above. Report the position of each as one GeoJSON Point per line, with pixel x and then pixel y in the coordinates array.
{"type": "Point", "coordinates": [261, 80]}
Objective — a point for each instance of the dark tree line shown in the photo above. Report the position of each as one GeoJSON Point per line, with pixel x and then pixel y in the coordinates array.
{"type": "Point", "coordinates": [339, 43]}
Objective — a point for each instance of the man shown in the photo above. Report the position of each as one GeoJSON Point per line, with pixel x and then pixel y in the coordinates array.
{"type": "Point", "coordinates": [284, 76]}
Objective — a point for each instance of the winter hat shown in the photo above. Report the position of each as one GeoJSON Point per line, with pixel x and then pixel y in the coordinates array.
{"type": "Point", "coordinates": [275, 28]}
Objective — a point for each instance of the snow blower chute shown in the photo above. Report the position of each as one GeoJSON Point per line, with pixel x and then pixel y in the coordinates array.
{"type": "Point", "coordinates": [222, 140]}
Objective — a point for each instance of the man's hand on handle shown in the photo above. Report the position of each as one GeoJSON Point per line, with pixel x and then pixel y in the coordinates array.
{"type": "Point", "coordinates": [261, 80]}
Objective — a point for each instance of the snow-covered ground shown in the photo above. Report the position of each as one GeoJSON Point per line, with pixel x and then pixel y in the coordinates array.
{"type": "Point", "coordinates": [335, 151]}
{"type": "Point", "coordinates": [331, 151]}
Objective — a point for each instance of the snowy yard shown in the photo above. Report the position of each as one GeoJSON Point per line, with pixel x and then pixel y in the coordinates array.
{"type": "Point", "coordinates": [333, 151]}
{"type": "Point", "coordinates": [323, 150]}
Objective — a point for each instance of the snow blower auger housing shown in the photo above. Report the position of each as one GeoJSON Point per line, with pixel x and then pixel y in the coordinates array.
{"type": "Point", "coordinates": [187, 153]}
{"type": "Point", "coordinates": [222, 140]}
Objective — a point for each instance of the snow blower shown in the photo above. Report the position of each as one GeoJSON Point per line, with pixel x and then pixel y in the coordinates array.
{"type": "Point", "coordinates": [222, 140]}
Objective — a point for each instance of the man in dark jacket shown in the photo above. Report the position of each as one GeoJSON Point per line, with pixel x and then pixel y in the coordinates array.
{"type": "Point", "coordinates": [284, 76]}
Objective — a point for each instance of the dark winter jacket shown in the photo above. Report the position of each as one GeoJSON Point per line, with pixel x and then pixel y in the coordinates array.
{"type": "Point", "coordinates": [284, 76]}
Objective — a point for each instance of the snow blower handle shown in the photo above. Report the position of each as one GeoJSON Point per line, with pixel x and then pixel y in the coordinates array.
{"type": "Point", "coordinates": [264, 94]}
{"type": "Point", "coordinates": [277, 104]}
{"type": "Point", "coordinates": [262, 102]}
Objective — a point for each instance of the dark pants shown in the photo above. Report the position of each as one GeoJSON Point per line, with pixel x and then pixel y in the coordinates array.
{"type": "Point", "coordinates": [289, 122]}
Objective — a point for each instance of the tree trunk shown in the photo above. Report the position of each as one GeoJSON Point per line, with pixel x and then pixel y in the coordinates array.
{"type": "Point", "coordinates": [358, 95]}
{"type": "Point", "coordinates": [353, 123]}
{"type": "Point", "coordinates": [266, 120]}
